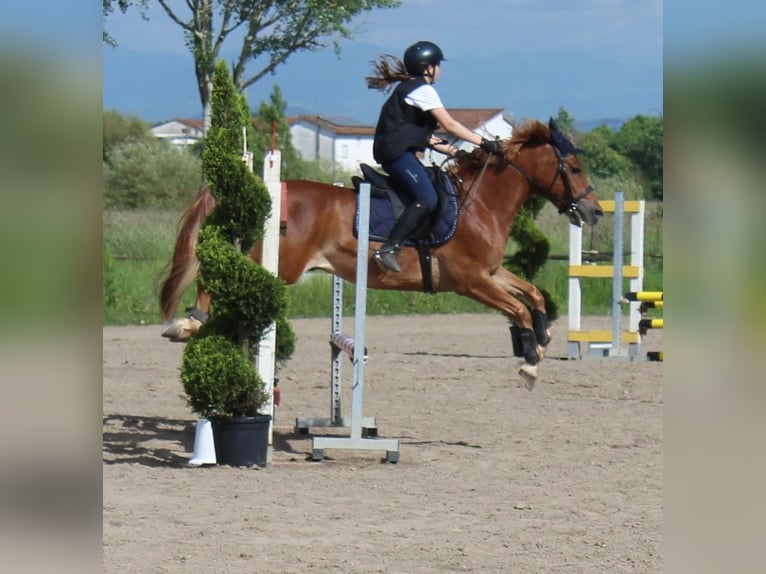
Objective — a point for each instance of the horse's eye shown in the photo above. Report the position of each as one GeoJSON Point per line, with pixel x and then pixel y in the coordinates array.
{"type": "Point", "coordinates": [576, 171]}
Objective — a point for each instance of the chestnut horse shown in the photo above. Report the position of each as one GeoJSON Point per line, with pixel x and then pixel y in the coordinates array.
{"type": "Point", "coordinates": [491, 190]}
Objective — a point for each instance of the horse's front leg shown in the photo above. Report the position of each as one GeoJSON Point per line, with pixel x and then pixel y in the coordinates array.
{"type": "Point", "coordinates": [518, 287]}
{"type": "Point", "coordinates": [495, 292]}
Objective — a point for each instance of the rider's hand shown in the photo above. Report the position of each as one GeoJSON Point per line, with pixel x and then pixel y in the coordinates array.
{"type": "Point", "coordinates": [490, 146]}
{"type": "Point", "coordinates": [460, 153]}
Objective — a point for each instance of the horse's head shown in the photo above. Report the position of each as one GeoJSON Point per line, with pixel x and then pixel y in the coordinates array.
{"type": "Point", "coordinates": [548, 160]}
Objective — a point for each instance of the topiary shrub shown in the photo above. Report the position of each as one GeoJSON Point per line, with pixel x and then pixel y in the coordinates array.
{"type": "Point", "coordinates": [217, 371]}
{"type": "Point", "coordinates": [534, 249]}
{"type": "Point", "coordinates": [219, 378]}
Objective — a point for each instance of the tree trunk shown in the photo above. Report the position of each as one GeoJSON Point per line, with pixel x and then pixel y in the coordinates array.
{"type": "Point", "coordinates": [205, 97]}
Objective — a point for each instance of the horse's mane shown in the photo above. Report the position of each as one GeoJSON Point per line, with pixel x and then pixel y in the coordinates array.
{"type": "Point", "coordinates": [531, 133]}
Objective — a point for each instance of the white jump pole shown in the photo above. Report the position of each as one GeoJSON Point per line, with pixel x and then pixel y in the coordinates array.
{"type": "Point", "coordinates": [617, 263]}
{"type": "Point", "coordinates": [270, 262]}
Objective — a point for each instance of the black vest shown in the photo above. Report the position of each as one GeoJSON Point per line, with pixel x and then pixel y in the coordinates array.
{"type": "Point", "coordinates": [402, 126]}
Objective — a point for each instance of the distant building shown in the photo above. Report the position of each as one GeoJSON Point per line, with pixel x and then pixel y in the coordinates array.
{"type": "Point", "coordinates": [341, 141]}
{"type": "Point", "coordinates": [487, 122]}
{"type": "Point", "coordinates": [345, 142]}
{"type": "Point", "coordinates": [179, 132]}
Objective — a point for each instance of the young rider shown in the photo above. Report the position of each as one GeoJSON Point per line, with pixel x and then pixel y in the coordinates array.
{"type": "Point", "coordinates": [405, 128]}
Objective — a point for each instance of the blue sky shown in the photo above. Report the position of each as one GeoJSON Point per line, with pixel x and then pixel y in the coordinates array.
{"type": "Point", "coordinates": [596, 58]}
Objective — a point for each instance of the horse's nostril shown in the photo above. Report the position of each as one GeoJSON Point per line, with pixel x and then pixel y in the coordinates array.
{"type": "Point", "coordinates": [599, 213]}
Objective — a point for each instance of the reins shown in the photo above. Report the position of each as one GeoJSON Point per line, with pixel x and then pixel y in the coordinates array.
{"type": "Point", "coordinates": [474, 185]}
{"type": "Point", "coordinates": [565, 206]}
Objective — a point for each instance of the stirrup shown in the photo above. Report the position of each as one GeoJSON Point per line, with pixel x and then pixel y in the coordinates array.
{"type": "Point", "coordinates": [386, 258]}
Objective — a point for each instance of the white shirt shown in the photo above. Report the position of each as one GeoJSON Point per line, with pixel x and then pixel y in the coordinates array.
{"type": "Point", "coordinates": [424, 97]}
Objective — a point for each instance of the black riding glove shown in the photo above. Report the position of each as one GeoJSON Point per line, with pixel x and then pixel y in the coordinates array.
{"type": "Point", "coordinates": [490, 146]}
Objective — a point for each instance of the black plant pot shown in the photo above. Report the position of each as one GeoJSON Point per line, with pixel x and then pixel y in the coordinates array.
{"type": "Point", "coordinates": [242, 441]}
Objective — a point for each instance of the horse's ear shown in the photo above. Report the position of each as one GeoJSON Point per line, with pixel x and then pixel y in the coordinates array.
{"type": "Point", "coordinates": [561, 142]}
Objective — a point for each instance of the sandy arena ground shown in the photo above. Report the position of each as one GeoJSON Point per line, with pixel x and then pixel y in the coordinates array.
{"type": "Point", "coordinates": [491, 478]}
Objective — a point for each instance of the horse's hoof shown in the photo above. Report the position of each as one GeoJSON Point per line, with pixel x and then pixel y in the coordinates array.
{"type": "Point", "coordinates": [529, 375]}
{"type": "Point", "coordinates": [181, 330]}
{"type": "Point", "coordinates": [542, 347]}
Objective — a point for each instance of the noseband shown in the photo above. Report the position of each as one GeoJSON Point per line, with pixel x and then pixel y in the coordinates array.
{"type": "Point", "coordinates": [567, 206]}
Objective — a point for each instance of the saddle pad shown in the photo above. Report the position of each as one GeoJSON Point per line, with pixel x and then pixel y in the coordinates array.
{"type": "Point", "coordinates": [382, 218]}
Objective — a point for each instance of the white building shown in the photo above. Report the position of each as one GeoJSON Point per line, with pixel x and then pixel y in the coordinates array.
{"type": "Point", "coordinates": [341, 141]}
{"type": "Point", "coordinates": [489, 123]}
{"type": "Point", "coordinates": [179, 132]}
{"type": "Point", "coordinates": [347, 143]}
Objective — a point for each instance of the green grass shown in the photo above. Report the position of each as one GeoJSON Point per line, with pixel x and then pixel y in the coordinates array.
{"type": "Point", "coordinates": [312, 297]}
{"type": "Point", "coordinates": [139, 244]}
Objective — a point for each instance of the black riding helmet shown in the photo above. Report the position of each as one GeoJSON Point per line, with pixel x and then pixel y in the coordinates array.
{"type": "Point", "coordinates": [421, 55]}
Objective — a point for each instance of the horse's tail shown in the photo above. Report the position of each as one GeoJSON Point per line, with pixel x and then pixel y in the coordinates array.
{"type": "Point", "coordinates": [184, 266]}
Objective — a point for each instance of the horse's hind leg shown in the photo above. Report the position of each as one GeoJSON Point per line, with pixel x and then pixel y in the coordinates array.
{"type": "Point", "coordinates": [182, 329]}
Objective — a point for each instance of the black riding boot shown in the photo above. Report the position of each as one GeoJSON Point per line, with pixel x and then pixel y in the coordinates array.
{"type": "Point", "coordinates": [408, 222]}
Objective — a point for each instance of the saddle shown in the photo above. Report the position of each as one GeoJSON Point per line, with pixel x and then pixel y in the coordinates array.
{"type": "Point", "coordinates": [387, 202]}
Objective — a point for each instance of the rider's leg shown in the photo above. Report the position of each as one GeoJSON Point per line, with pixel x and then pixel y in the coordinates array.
{"type": "Point", "coordinates": [412, 176]}
{"type": "Point", "coordinates": [406, 224]}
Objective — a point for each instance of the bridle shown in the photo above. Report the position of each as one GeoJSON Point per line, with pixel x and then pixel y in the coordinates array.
{"type": "Point", "coordinates": [567, 206]}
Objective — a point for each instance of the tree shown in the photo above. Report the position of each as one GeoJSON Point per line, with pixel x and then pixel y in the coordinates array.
{"type": "Point", "coordinates": [269, 114]}
{"type": "Point", "coordinates": [150, 174]}
{"type": "Point", "coordinates": [268, 32]}
{"type": "Point", "coordinates": [566, 122]}
{"type": "Point", "coordinates": [601, 159]}
{"type": "Point", "coordinates": [641, 141]}
{"type": "Point", "coordinates": [119, 130]}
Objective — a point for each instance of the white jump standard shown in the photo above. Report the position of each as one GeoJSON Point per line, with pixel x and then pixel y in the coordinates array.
{"type": "Point", "coordinates": [339, 343]}
{"type": "Point", "coordinates": [608, 343]}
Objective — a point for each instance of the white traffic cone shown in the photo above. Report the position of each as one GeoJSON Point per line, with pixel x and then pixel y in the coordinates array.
{"type": "Point", "coordinates": [204, 447]}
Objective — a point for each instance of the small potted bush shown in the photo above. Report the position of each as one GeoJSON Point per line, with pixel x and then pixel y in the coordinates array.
{"type": "Point", "coordinates": [218, 367]}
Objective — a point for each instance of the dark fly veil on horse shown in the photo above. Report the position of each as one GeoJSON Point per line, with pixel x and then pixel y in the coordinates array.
{"type": "Point", "coordinates": [560, 142]}
{"type": "Point", "coordinates": [562, 148]}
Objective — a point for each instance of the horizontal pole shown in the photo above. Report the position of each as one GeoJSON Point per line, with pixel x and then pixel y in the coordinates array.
{"type": "Point", "coordinates": [632, 206]}
{"type": "Point", "coordinates": [603, 271]}
{"type": "Point", "coordinates": [645, 324]}
{"type": "Point", "coordinates": [644, 295]}
{"type": "Point", "coordinates": [345, 344]}
{"type": "Point", "coordinates": [601, 336]}
{"type": "Point", "coordinates": [325, 422]}
{"type": "Point", "coordinates": [356, 443]}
